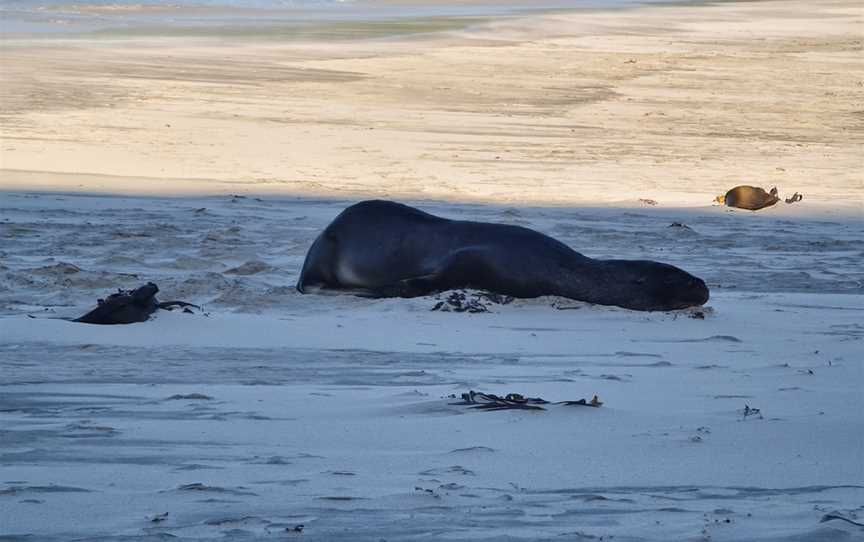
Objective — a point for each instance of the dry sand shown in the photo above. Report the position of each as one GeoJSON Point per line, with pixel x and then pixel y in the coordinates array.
{"type": "Point", "coordinates": [672, 104]}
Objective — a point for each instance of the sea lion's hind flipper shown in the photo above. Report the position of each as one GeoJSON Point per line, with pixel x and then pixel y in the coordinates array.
{"type": "Point", "coordinates": [796, 197]}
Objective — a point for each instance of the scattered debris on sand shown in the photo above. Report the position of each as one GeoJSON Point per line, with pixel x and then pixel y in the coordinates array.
{"type": "Point", "coordinates": [748, 412]}
{"type": "Point", "coordinates": [159, 518]}
{"type": "Point", "coordinates": [190, 397]}
{"type": "Point", "coordinates": [680, 225]}
{"type": "Point", "coordinates": [514, 401]}
{"type": "Point", "coordinates": [131, 306]}
{"type": "Point", "coordinates": [473, 302]}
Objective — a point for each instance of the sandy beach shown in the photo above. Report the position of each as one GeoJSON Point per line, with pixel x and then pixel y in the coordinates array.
{"type": "Point", "coordinates": [208, 163]}
{"type": "Point", "coordinates": [670, 104]}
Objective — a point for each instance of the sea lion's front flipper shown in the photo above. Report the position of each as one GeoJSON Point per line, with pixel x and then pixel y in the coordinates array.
{"type": "Point", "coordinates": [458, 270]}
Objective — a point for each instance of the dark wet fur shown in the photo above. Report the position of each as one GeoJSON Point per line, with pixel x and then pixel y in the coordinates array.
{"type": "Point", "coordinates": [386, 249]}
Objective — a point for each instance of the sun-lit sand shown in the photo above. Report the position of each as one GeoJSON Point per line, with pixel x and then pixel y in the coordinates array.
{"type": "Point", "coordinates": [672, 104]}
{"type": "Point", "coordinates": [209, 164]}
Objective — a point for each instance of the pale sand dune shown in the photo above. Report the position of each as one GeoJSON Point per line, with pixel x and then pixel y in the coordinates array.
{"type": "Point", "coordinates": [672, 104]}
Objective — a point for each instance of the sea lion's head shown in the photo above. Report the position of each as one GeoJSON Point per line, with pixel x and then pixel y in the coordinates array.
{"type": "Point", "coordinates": [655, 286]}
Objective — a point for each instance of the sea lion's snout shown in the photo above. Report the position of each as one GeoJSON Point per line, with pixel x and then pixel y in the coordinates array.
{"type": "Point", "coordinates": [678, 289]}
{"type": "Point", "coordinates": [699, 291]}
{"type": "Point", "coordinates": [690, 292]}
{"type": "Point", "coordinates": [653, 286]}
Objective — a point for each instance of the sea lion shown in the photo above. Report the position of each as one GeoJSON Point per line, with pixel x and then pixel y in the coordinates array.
{"type": "Point", "coordinates": [753, 198]}
{"type": "Point", "coordinates": [128, 306]}
{"type": "Point", "coordinates": [387, 249]}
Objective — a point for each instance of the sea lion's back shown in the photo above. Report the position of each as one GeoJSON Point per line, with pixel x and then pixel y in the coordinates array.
{"type": "Point", "coordinates": [751, 198]}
